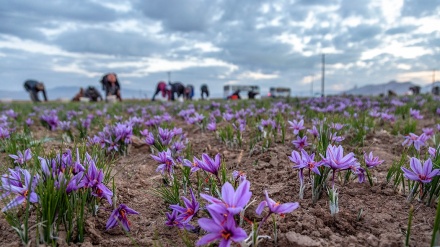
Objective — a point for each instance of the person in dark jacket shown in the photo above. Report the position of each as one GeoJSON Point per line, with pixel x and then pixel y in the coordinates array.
{"type": "Point", "coordinates": [93, 94]}
{"type": "Point", "coordinates": [252, 94]}
{"type": "Point", "coordinates": [111, 86]}
{"type": "Point", "coordinates": [176, 88]}
{"type": "Point", "coordinates": [33, 87]}
{"type": "Point", "coordinates": [204, 91]}
{"type": "Point", "coordinates": [189, 92]}
{"type": "Point", "coordinates": [162, 87]}
{"type": "Point", "coordinates": [435, 90]}
{"type": "Point", "coordinates": [415, 90]}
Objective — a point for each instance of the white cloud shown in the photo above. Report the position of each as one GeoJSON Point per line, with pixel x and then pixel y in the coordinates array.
{"type": "Point", "coordinates": [256, 76]}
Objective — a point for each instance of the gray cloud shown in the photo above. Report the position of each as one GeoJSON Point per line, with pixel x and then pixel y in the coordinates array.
{"type": "Point", "coordinates": [243, 33]}
{"type": "Point", "coordinates": [420, 7]}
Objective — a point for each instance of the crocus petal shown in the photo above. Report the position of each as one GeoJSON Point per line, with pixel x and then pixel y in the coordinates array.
{"type": "Point", "coordinates": [261, 207]}
{"type": "Point", "coordinates": [208, 238]}
{"type": "Point", "coordinates": [287, 207]}
{"type": "Point", "coordinates": [209, 225]}
{"type": "Point", "coordinates": [242, 194]}
{"type": "Point", "coordinates": [239, 235]}
{"type": "Point", "coordinates": [14, 203]}
{"type": "Point", "coordinates": [409, 174]}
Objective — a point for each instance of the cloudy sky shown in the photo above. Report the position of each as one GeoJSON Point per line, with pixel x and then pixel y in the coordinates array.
{"type": "Point", "coordinates": [263, 42]}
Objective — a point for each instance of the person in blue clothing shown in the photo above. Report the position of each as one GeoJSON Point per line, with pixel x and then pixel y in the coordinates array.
{"type": "Point", "coordinates": [189, 92]}
{"type": "Point", "coordinates": [33, 87]}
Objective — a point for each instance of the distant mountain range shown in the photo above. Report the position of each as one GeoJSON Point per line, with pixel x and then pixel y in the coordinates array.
{"type": "Point", "coordinates": [400, 88]}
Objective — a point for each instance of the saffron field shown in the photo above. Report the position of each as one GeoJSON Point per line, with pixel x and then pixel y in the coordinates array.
{"type": "Point", "coordinates": [339, 171]}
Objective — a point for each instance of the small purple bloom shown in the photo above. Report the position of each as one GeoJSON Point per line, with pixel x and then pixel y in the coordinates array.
{"type": "Point", "coordinates": [296, 126]}
{"type": "Point", "coordinates": [221, 228]}
{"type": "Point", "coordinates": [119, 215]}
{"type": "Point", "coordinates": [22, 158]}
{"type": "Point", "coordinates": [372, 161]}
{"type": "Point", "coordinates": [422, 173]}
{"type": "Point", "coordinates": [233, 201]}
{"type": "Point", "coordinates": [166, 162]}
{"type": "Point", "coordinates": [191, 208]}
{"type": "Point", "coordinates": [276, 207]}
{"type": "Point", "coordinates": [300, 143]}
{"type": "Point", "coordinates": [210, 165]}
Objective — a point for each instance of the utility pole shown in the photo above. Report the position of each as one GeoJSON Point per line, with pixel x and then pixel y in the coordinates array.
{"type": "Point", "coordinates": [169, 76]}
{"type": "Point", "coordinates": [313, 78]}
{"type": "Point", "coordinates": [323, 76]}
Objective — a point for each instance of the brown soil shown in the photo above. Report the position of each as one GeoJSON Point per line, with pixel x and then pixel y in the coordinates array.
{"type": "Point", "coordinates": [383, 221]}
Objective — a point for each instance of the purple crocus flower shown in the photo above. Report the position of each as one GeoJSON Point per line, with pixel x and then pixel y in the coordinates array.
{"type": "Point", "coordinates": [415, 114]}
{"type": "Point", "coordinates": [212, 126]}
{"type": "Point", "coordinates": [93, 180]}
{"type": "Point", "coordinates": [305, 161]}
{"type": "Point", "coordinates": [166, 162]}
{"type": "Point", "coordinates": [300, 143]}
{"type": "Point", "coordinates": [120, 215]}
{"type": "Point", "coordinates": [296, 126]}
{"type": "Point", "coordinates": [428, 131]}
{"type": "Point", "coordinates": [239, 175]}
{"type": "Point", "coordinates": [432, 152]}
{"type": "Point", "coordinates": [75, 183]}
{"type": "Point", "coordinates": [422, 173]}
{"type": "Point", "coordinates": [276, 207]}
{"type": "Point", "coordinates": [19, 188]}
{"type": "Point", "coordinates": [417, 141]}
{"type": "Point", "coordinates": [313, 131]}
{"type": "Point", "coordinates": [233, 201]}
{"type": "Point", "coordinates": [372, 161]}
{"type": "Point", "coordinates": [165, 136]}
{"type": "Point", "coordinates": [191, 208]}
{"type": "Point", "coordinates": [149, 139]}
{"type": "Point", "coordinates": [22, 158]}
{"type": "Point", "coordinates": [221, 228]}
{"type": "Point", "coordinates": [29, 121]}
{"type": "Point", "coordinates": [4, 133]}
{"type": "Point", "coordinates": [336, 160]}
{"type": "Point", "coordinates": [194, 165]}
{"type": "Point", "coordinates": [210, 165]}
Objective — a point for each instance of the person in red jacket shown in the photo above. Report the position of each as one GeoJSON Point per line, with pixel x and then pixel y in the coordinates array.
{"type": "Point", "coordinates": [163, 88]}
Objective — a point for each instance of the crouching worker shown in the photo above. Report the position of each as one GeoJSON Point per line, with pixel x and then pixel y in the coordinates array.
{"type": "Point", "coordinates": [189, 92]}
{"type": "Point", "coordinates": [93, 94]}
{"type": "Point", "coordinates": [177, 88]}
{"type": "Point", "coordinates": [162, 88]}
{"type": "Point", "coordinates": [33, 87]}
{"type": "Point", "coordinates": [111, 86]}
{"type": "Point", "coordinates": [204, 91]}
{"type": "Point", "coordinates": [79, 95]}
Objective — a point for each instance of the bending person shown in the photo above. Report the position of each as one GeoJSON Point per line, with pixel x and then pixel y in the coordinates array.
{"type": "Point", "coordinates": [176, 88]}
{"type": "Point", "coordinates": [205, 91]}
{"type": "Point", "coordinates": [33, 87]}
{"type": "Point", "coordinates": [162, 87]}
{"type": "Point", "coordinates": [93, 94]}
{"type": "Point", "coordinates": [189, 92]}
{"type": "Point", "coordinates": [111, 86]}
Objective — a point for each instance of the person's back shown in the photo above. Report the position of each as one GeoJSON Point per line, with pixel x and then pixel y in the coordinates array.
{"type": "Point", "coordinates": [93, 94]}
{"type": "Point", "coordinates": [177, 87]}
{"type": "Point", "coordinates": [204, 91]}
{"type": "Point", "coordinates": [33, 87]}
